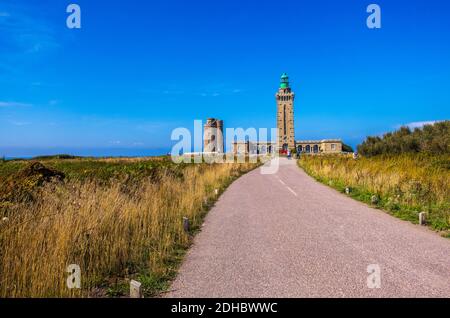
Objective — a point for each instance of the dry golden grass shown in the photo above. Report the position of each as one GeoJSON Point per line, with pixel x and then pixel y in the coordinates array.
{"type": "Point", "coordinates": [110, 231]}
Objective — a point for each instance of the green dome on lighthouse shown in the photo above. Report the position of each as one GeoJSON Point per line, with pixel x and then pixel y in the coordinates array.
{"type": "Point", "coordinates": [284, 81]}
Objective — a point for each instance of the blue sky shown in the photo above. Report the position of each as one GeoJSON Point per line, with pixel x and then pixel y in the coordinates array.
{"type": "Point", "coordinates": [138, 69]}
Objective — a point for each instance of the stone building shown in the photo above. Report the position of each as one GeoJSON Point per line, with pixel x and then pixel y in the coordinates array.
{"type": "Point", "coordinates": [319, 146]}
{"type": "Point", "coordinates": [253, 148]}
{"type": "Point", "coordinates": [285, 115]}
{"type": "Point", "coordinates": [213, 136]}
{"type": "Point", "coordinates": [286, 134]}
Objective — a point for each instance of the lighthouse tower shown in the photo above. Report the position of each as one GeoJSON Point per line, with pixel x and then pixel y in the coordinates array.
{"type": "Point", "coordinates": [285, 115]}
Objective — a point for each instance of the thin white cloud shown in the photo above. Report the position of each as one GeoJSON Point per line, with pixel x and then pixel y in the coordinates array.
{"type": "Point", "coordinates": [218, 90]}
{"type": "Point", "coordinates": [20, 123]}
{"type": "Point", "coordinates": [214, 94]}
{"type": "Point", "coordinates": [151, 126]}
{"type": "Point", "coordinates": [13, 104]}
{"type": "Point", "coordinates": [419, 124]}
{"type": "Point", "coordinates": [23, 33]}
{"type": "Point", "coordinates": [173, 92]}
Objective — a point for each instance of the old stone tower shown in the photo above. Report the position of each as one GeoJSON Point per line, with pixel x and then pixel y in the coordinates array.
{"type": "Point", "coordinates": [285, 115]}
{"type": "Point", "coordinates": [213, 136]}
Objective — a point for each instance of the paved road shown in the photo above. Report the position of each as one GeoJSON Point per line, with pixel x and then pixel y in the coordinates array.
{"type": "Point", "coordinates": [286, 235]}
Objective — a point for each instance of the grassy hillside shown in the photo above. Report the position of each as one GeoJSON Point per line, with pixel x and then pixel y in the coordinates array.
{"type": "Point", "coordinates": [116, 218]}
{"type": "Point", "coordinates": [403, 184]}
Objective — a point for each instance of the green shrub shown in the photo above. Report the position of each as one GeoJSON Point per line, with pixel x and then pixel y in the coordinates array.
{"type": "Point", "coordinates": [432, 139]}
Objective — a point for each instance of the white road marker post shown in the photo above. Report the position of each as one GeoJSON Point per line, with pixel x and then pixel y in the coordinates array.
{"type": "Point", "coordinates": [423, 218]}
{"type": "Point", "coordinates": [135, 289]}
{"type": "Point", "coordinates": [374, 199]}
{"type": "Point", "coordinates": [186, 224]}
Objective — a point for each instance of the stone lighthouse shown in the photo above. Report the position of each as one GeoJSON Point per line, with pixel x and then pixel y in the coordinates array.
{"type": "Point", "coordinates": [285, 115]}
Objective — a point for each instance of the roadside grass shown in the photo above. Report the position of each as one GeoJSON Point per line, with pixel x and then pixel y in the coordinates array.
{"type": "Point", "coordinates": [403, 185]}
{"type": "Point", "coordinates": [103, 169]}
{"type": "Point", "coordinates": [118, 219]}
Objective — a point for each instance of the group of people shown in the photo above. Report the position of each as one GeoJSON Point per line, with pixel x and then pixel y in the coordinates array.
{"type": "Point", "coordinates": [289, 154]}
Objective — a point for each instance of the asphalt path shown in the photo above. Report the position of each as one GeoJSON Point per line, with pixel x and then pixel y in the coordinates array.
{"type": "Point", "coordinates": [286, 235]}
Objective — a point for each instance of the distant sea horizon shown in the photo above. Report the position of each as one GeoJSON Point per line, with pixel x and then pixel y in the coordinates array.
{"type": "Point", "coordinates": [29, 153]}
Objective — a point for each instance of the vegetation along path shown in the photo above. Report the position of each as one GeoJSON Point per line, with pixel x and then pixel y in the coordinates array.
{"type": "Point", "coordinates": [286, 235]}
